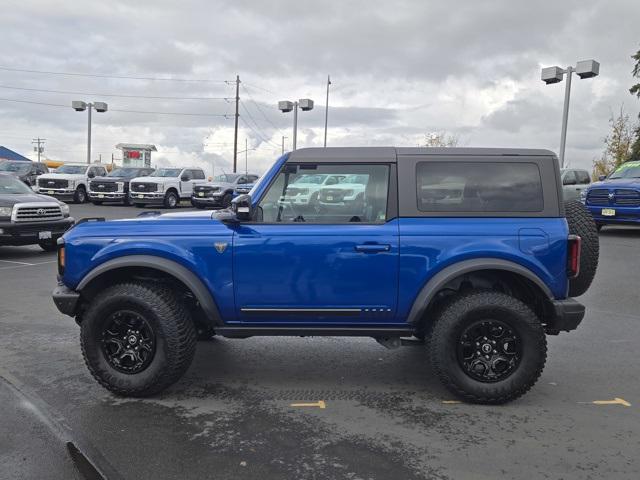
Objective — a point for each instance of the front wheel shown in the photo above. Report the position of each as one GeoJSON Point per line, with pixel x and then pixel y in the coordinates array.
{"type": "Point", "coordinates": [170, 200]}
{"type": "Point", "coordinates": [487, 347]}
{"type": "Point", "coordinates": [226, 200]}
{"type": "Point", "coordinates": [80, 195]}
{"type": "Point", "coordinates": [137, 338]}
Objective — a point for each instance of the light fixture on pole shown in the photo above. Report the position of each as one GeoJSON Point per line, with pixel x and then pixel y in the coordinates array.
{"type": "Point", "coordinates": [80, 106]}
{"type": "Point", "coordinates": [286, 106]}
{"type": "Point", "coordinates": [551, 75]}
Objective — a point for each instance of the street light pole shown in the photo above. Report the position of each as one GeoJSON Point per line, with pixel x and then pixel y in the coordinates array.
{"type": "Point", "coordinates": [565, 114]}
{"type": "Point", "coordinates": [286, 106]}
{"type": "Point", "coordinates": [283, 137]}
{"type": "Point", "coordinates": [89, 108]}
{"type": "Point", "coordinates": [295, 124]}
{"type": "Point", "coordinates": [80, 106]}
{"type": "Point", "coordinates": [326, 111]}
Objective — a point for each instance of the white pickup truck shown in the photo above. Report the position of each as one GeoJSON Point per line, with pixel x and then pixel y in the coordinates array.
{"type": "Point", "coordinates": [166, 186]}
{"type": "Point", "coordinates": [69, 181]}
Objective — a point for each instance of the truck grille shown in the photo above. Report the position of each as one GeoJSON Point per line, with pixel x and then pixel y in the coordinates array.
{"type": "Point", "coordinates": [332, 195]}
{"type": "Point", "coordinates": [34, 212]}
{"type": "Point", "coordinates": [144, 187]}
{"type": "Point", "coordinates": [206, 189]}
{"type": "Point", "coordinates": [99, 186]}
{"type": "Point", "coordinates": [52, 183]}
{"type": "Point", "coordinates": [620, 197]}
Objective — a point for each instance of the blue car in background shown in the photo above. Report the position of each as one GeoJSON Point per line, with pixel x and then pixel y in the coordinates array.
{"type": "Point", "coordinates": [615, 199]}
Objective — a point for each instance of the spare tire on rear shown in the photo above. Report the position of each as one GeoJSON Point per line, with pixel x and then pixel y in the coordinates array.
{"type": "Point", "coordinates": [581, 223]}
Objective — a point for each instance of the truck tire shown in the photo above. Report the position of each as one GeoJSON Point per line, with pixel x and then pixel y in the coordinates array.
{"type": "Point", "coordinates": [80, 195]}
{"type": "Point", "coordinates": [171, 200]}
{"type": "Point", "coordinates": [226, 200]}
{"type": "Point", "coordinates": [581, 223]}
{"type": "Point", "coordinates": [137, 338]}
{"type": "Point", "coordinates": [487, 347]}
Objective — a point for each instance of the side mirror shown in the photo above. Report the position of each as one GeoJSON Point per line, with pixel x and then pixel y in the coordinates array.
{"type": "Point", "coordinates": [185, 178]}
{"type": "Point", "coordinates": [242, 207]}
{"type": "Point", "coordinates": [602, 177]}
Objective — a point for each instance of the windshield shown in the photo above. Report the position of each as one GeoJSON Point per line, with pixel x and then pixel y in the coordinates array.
{"type": "Point", "coordinates": [312, 179]}
{"type": "Point", "coordinates": [12, 186]}
{"type": "Point", "coordinates": [71, 169]}
{"type": "Point", "coordinates": [225, 177]}
{"type": "Point", "coordinates": [627, 170]}
{"type": "Point", "coordinates": [167, 172]}
{"type": "Point", "coordinates": [20, 167]}
{"type": "Point", "coordinates": [123, 172]}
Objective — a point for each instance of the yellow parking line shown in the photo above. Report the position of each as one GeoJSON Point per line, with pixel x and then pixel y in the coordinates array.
{"type": "Point", "coordinates": [319, 404]}
{"type": "Point", "coordinates": [615, 401]}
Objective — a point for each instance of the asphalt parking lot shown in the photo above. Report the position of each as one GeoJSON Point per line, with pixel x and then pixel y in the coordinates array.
{"type": "Point", "coordinates": [366, 413]}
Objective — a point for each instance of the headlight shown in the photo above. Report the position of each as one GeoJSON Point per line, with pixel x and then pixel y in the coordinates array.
{"type": "Point", "coordinates": [65, 209]}
{"type": "Point", "coordinates": [160, 187]}
{"type": "Point", "coordinates": [5, 211]}
{"type": "Point", "coordinates": [72, 184]}
{"type": "Point", "coordinates": [120, 186]}
{"type": "Point", "coordinates": [583, 196]}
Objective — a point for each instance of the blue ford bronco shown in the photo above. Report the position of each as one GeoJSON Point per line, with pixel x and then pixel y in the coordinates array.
{"type": "Point", "coordinates": [470, 251]}
{"type": "Point", "coordinates": [615, 200]}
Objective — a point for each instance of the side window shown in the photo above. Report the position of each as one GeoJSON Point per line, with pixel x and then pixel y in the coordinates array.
{"type": "Point", "coordinates": [242, 180]}
{"type": "Point", "coordinates": [186, 173]}
{"type": "Point", "coordinates": [197, 174]}
{"type": "Point", "coordinates": [101, 171]}
{"type": "Point", "coordinates": [301, 193]}
{"type": "Point", "coordinates": [569, 178]}
{"type": "Point", "coordinates": [42, 169]}
{"type": "Point", "coordinates": [583, 177]}
{"type": "Point", "coordinates": [253, 179]}
{"type": "Point", "coordinates": [479, 187]}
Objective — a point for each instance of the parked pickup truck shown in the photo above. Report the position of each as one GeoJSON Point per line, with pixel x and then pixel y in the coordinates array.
{"type": "Point", "coordinates": [70, 181]}
{"type": "Point", "coordinates": [615, 200]}
{"type": "Point", "coordinates": [481, 271]}
{"type": "Point", "coordinates": [115, 186]}
{"type": "Point", "coordinates": [166, 187]}
{"type": "Point", "coordinates": [219, 192]}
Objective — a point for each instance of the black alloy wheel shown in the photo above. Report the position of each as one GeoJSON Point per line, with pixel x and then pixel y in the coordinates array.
{"type": "Point", "coordinates": [128, 341]}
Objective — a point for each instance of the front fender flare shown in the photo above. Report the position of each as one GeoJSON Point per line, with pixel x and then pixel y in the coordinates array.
{"type": "Point", "coordinates": [186, 276]}
{"type": "Point", "coordinates": [440, 279]}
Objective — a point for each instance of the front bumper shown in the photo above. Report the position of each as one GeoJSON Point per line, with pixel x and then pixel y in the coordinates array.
{"type": "Point", "coordinates": [27, 233]}
{"type": "Point", "coordinates": [66, 300]}
{"type": "Point", "coordinates": [148, 198]}
{"type": "Point", "coordinates": [61, 193]}
{"type": "Point", "coordinates": [623, 215]}
{"type": "Point", "coordinates": [567, 315]}
{"type": "Point", "coordinates": [106, 196]}
{"type": "Point", "coordinates": [213, 201]}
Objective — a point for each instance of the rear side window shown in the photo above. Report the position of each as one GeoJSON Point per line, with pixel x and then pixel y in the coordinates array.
{"type": "Point", "coordinates": [197, 174]}
{"type": "Point", "coordinates": [479, 187]}
{"type": "Point", "coordinates": [583, 177]}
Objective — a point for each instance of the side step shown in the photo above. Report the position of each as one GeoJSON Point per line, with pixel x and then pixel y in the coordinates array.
{"type": "Point", "coordinates": [294, 331]}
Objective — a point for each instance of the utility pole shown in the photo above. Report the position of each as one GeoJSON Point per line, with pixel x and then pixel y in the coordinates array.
{"type": "Point", "coordinates": [38, 149]}
{"type": "Point", "coordinates": [283, 137]}
{"type": "Point", "coordinates": [235, 131]}
{"type": "Point", "coordinates": [246, 151]}
{"type": "Point", "coordinates": [326, 111]}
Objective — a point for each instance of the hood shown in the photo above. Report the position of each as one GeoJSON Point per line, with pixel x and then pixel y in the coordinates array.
{"type": "Point", "coordinates": [152, 179]}
{"type": "Point", "coordinates": [217, 184]}
{"type": "Point", "coordinates": [63, 176]}
{"type": "Point", "coordinates": [344, 186]}
{"type": "Point", "coordinates": [9, 200]}
{"type": "Point", "coordinates": [109, 179]}
{"type": "Point", "coordinates": [617, 182]}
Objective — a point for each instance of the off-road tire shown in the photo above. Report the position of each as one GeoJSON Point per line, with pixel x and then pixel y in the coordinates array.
{"type": "Point", "coordinates": [443, 336]}
{"type": "Point", "coordinates": [80, 195]}
{"type": "Point", "coordinates": [167, 200]}
{"type": "Point", "coordinates": [175, 337]}
{"type": "Point", "coordinates": [581, 223]}
{"type": "Point", "coordinates": [48, 245]}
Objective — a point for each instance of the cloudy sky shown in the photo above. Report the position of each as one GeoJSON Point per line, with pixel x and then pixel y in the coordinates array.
{"type": "Point", "coordinates": [399, 69]}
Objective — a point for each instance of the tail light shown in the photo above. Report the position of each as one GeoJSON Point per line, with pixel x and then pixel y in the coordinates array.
{"type": "Point", "coordinates": [61, 258]}
{"type": "Point", "coordinates": [573, 256]}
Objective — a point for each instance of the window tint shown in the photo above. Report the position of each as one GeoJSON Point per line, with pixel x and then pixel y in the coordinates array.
{"type": "Point", "coordinates": [242, 180]}
{"type": "Point", "coordinates": [297, 196]}
{"type": "Point", "coordinates": [479, 187]}
{"type": "Point", "coordinates": [253, 178]}
{"type": "Point", "coordinates": [583, 177]}
{"type": "Point", "coordinates": [197, 174]}
{"type": "Point", "coordinates": [569, 178]}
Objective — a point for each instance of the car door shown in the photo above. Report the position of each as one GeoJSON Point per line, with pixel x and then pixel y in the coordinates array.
{"type": "Point", "coordinates": [303, 264]}
{"type": "Point", "coordinates": [186, 183]}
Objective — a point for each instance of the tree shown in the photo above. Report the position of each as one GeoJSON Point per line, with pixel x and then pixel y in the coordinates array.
{"type": "Point", "coordinates": [617, 144]}
{"type": "Point", "coordinates": [440, 139]}
{"type": "Point", "coordinates": [635, 90]}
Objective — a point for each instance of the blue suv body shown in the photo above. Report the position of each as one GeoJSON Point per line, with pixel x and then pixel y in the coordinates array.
{"type": "Point", "coordinates": [615, 199]}
{"type": "Point", "coordinates": [449, 246]}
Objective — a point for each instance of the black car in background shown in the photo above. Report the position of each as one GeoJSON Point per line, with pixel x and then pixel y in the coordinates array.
{"type": "Point", "coordinates": [115, 186]}
{"type": "Point", "coordinates": [27, 172]}
{"type": "Point", "coordinates": [27, 218]}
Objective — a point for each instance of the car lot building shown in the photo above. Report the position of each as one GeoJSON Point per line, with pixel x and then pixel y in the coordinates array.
{"type": "Point", "coordinates": [136, 154]}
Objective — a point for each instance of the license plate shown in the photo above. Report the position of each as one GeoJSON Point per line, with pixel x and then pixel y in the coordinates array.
{"type": "Point", "coordinates": [50, 192]}
{"type": "Point", "coordinates": [44, 235]}
{"type": "Point", "coordinates": [201, 194]}
{"type": "Point", "coordinates": [140, 196]}
{"type": "Point", "coordinates": [101, 195]}
{"type": "Point", "coordinates": [608, 212]}
{"type": "Point", "coordinates": [330, 198]}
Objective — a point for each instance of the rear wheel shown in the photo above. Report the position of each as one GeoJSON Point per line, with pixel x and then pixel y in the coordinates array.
{"type": "Point", "coordinates": [581, 223]}
{"type": "Point", "coordinates": [80, 195]}
{"type": "Point", "coordinates": [487, 347]}
{"type": "Point", "coordinates": [137, 338]}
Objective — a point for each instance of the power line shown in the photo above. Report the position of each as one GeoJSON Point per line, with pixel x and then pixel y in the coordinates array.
{"type": "Point", "coordinates": [261, 111]}
{"type": "Point", "coordinates": [257, 130]}
{"type": "Point", "coordinates": [114, 94]}
{"type": "Point", "coordinates": [119, 110]}
{"type": "Point", "coordinates": [121, 77]}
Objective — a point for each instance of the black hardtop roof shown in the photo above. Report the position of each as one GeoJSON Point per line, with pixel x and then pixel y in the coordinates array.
{"type": "Point", "coordinates": [387, 154]}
